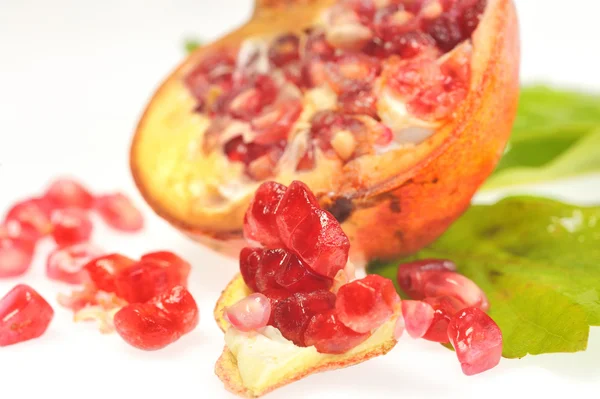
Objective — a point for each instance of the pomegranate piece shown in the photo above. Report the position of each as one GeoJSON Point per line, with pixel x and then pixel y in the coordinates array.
{"type": "Point", "coordinates": [250, 101]}
{"type": "Point", "coordinates": [310, 232]}
{"type": "Point", "coordinates": [24, 315]}
{"type": "Point", "coordinates": [392, 21]}
{"type": "Point", "coordinates": [181, 308]}
{"type": "Point", "coordinates": [145, 326]}
{"type": "Point", "coordinates": [358, 102]}
{"type": "Point", "coordinates": [251, 313]}
{"type": "Point", "coordinates": [67, 264]}
{"type": "Point", "coordinates": [249, 261]}
{"type": "Point", "coordinates": [259, 222]}
{"type": "Point", "coordinates": [445, 30]}
{"type": "Point", "coordinates": [399, 328]}
{"type": "Point", "coordinates": [16, 253]}
{"type": "Point", "coordinates": [274, 124]}
{"type": "Point", "coordinates": [33, 214]}
{"type": "Point", "coordinates": [275, 296]}
{"type": "Point", "coordinates": [142, 281]}
{"type": "Point", "coordinates": [119, 212]}
{"type": "Point", "coordinates": [70, 226]}
{"type": "Point", "coordinates": [178, 267]}
{"type": "Point", "coordinates": [317, 46]}
{"type": "Point", "coordinates": [444, 307]}
{"type": "Point", "coordinates": [272, 260]}
{"type": "Point", "coordinates": [418, 317]}
{"type": "Point", "coordinates": [457, 286]}
{"type": "Point", "coordinates": [292, 315]}
{"type": "Point", "coordinates": [328, 335]}
{"type": "Point", "coordinates": [470, 15]}
{"type": "Point", "coordinates": [477, 340]}
{"type": "Point", "coordinates": [364, 305]}
{"type": "Point", "coordinates": [295, 276]}
{"type": "Point", "coordinates": [351, 72]}
{"type": "Point", "coordinates": [103, 270]}
{"type": "Point", "coordinates": [69, 193]}
{"type": "Point", "coordinates": [284, 50]}
{"type": "Point", "coordinates": [411, 275]}
{"type": "Point", "coordinates": [214, 71]}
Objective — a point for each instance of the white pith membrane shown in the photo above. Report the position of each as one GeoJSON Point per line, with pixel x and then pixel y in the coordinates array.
{"type": "Point", "coordinates": [230, 183]}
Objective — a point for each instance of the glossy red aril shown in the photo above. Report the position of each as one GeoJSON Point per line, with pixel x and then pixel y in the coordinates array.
{"type": "Point", "coordinates": [326, 333]}
{"type": "Point", "coordinates": [119, 212]}
{"type": "Point", "coordinates": [457, 286]}
{"type": "Point", "coordinates": [292, 315]}
{"type": "Point", "coordinates": [477, 340]}
{"type": "Point", "coordinates": [24, 315]}
{"type": "Point", "coordinates": [180, 307]}
{"type": "Point", "coordinates": [411, 275]}
{"type": "Point", "coordinates": [33, 213]}
{"type": "Point", "coordinates": [67, 264]}
{"type": "Point", "coordinates": [275, 296]}
{"type": "Point", "coordinates": [444, 307]}
{"type": "Point", "coordinates": [69, 193]}
{"type": "Point", "coordinates": [274, 124]}
{"type": "Point", "coordinates": [143, 281]}
{"type": "Point", "coordinates": [251, 313]}
{"type": "Point", "coordinates": [399, 328]}
{"type": "Point", "coordinates": [364, 305]}
{"type": "Point", "coordinates": [418, 317]}
{"type": "Point", "coordinates": [259, 222]}
{"type": "Point", "coordinates": [284, 49]}
{"type": "Point", "coordinates": [16, 253]}
{"type": "Point", "coordinates": [70, 226]}
{"type": "Point", "coordinates": [249, 261]}
{"type": "Point", "coordinates": [178, 267]}
{"type": "Point", "coordinates": [295, 276]}
{"type": "Point", "coordinates": [103, 270]}
{"type": "Point", "coordinates": [272, 260]}
{"type": "Point", "coordinates": [310, 232]}
{"type": "Point", "coordinates": [351, 71]}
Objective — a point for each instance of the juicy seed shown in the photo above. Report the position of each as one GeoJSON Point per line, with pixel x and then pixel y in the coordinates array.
{"type": "Point", "coordinates": [455, 285]}
{"type": "Point", "coordinates": [366, 304]}
{"type": "Point", "coordinates": [69, 193]}
{"type": "Point", "coordinates": [145, 327]}
{"type": "Point", "coordinates": [271, 262]}
{"type": "Point", "coordinates": [67, 264]}
{"type": "Point", "coordinates": [275, 296]}
{"type": "Point", "coordinates": [181, 308]}
{"type": "Point", "coordinates": [16, 255]}
{"type": "Point", "coordinates": [411, 275]}
{"type": "Point", "coordinates": [259, 222]}
{"type": "Point", "coordinates": [178, 268]}
{"type": "Point", "coordinates": [251, 313]}
{"type": "Point", "coordinates": [445, 31]}
{"type": "Point", "coordinates": [444, 308]}
{"type": "Point", "coordinates": [328, 335]}
{"type": "Point", "coordinates": [399, 328]}
{"type": "Point", "coordinates": [103, 270]}
{"type": "Point", "coordinates": [144, 280]}
{"type": "Point", "coordinates": [119, 212]}
{"type": "Point", "coordinates": [285, 49]}
{"type": "Point", "coordinates": [70, 226]}
{"type": "Point", "coordinates": [249, 261]}
{"type": "Point", "coordinates": [477, 340]}
{"type": "Point", "coordinates": [24, 315]}
{"type": "Point", "coordinates": [418, 317]}
{"type": "Point", "coordinates": [295, 276]}
{"type": "Point", "coordinates": [33, 214]}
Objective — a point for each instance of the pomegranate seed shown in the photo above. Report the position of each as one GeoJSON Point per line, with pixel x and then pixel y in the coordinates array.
{"type": "Point", "coordinates": [410, 44]}
{"type": "Point", "coordinates": [16, 230]}
{"type": "Point", "coordinates": [393, 21]}
{"type": "Point", "coordinates": [284, 49]}
{"type": "Point", "coordinates": [326, 333]}
{"type": "Point", "coordinates": [445, 30]}
{"type": "Point", "coordinates": [264, 167]}
{"type": "Point", "coordinates": [307, 160]}
{"type": "Point", "coordinates": [16, 253]}
{"type": "Point", "coordinates": [271, 262]}
{"type": "Point", "coordinates": [358, 102]}
{"type": "Point", "coordinates": [259, 222]}
{"type": "Point", "coordinates": [145, 327]}
{"type": "Point", "coordinates": [119, 212]}
{"type": "Point", "coordinates": [251, 313]}
{"type": "Point", "coordinates": [477, 340]}
{"type": "Point", "coordinates": [67, 264]}
{"type": "Point", "coordinates": [455, 285]}
{"type": "Point", "coordinates": [292, 315]}
{"type": "Point", "coordinates": [444, 308]}
{"type": "Point", "coordinates": [417, 317]}
{"type": "Point", "coordinates": [316, 46]}
{"type": "Point", "coordinates": [399, 328]}
{"type": "Point", "coordinates": [470, 16]}
{"type": "Point", "coordinates": [102, 270]}
{"type": "Point", "coordinates": [215, 69]}
{"type": "Point", "coordinates": [239, 151]}
{"type": "Point", "coordinates": [24, 315]}
{"type": "Point", "coordinates": [249, 261]}
{"type": "Point", "coordinates": [295, 276]}
{"type": "Point", "coordinates": [70, 226]}
{"type": "Point", "coordinates": [178, 268]}
{"type": "Point", "coordinates": [68, 193]}
{"type": "Point", "coordinates": [312, 233]}
{"type": "Point", "coordinates": [33, 213]}
{"type": "Point", "coordinates": [351, 72]}
{"type": "Point", "coordinates": [143, 281]}
{"type": "Point", "coordinates": [275, 296]}
{"type": "Point", "coordinates": [274, 124]}
{"type": "Point", "coordinates": [181, 308]}
{"type": "Point", "coordinates": [364, 305]}
{"type": "Point", "coordinates": [411, 275]}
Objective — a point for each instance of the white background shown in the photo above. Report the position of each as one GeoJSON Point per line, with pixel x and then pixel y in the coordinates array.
{"type": "Point", "coordinates": [74, 77]}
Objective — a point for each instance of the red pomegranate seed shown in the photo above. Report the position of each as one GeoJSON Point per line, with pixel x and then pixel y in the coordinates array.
{"type": "Point", "coordinates": [410, 44]}
{"type": "Point", "coordinates": [239, 151]}
{"type": "Point", "coordinates": [366, 304]}
{"type": "Point", "coordinates": [445, 30]}
{"type": "Point", "coordinates": [271, 262]}
{"type": "Point", "coordinates": [399, 328]}
{"type": "Point", "coordinates": [411, 275]}
{"type": "Point", "coordinates": [351, 72]}
{"type": "Point", "coordinates": [16, 230]}
{"type": "Point", "coordinates": [143, 281]}
{"type": "Point", "coordinates": [249, 261]}
{"type": "Point", "coordinates": [418, 316]}
{"type": "Point", "coordinates": [326, 333]}
{"type": "Point", "coordinates": [259, 222]}
{"type": "Point", "coordinates": [70, 226]}
{"type": "Point", "coordinates": [470, 16]}
{"type": "Point", "coordinates": [264, 167]}
{"type": "Point", "coordinates": [358, 102]}
{"type": "Point", "coordinates": [310, 232]}
{"type": "Point", "coordinates": [145, 326]}
{"type": "Point", "coordinates": [477, 340]}
{"type": "Point", "coordinates": [34, 214]}
{"type": "Point", "coordinates": [69, 193]}
{"type": "Point", "coordinates": [274, 124]}
{"type": "Point", "coordinates": [67, 264]}
{"type": "Point", "coordinates": [119, 212]}
{"type": "Point", "coordinates": [316, 46]}
{"type": "Point", "coordinates": [24, 315]}
{"type": "Point", "coordinates": [181, 308]}
{"type": "Point", "coordinates": [215, 69]}
{"type": "Point", "coordinates": [444, 308]}
{"type": "Point", "coordinates": [457, 286]}
{"type": "Point", "coordinates": [16, 252]}
{"type": "Point", "coordinates": [261, 92]}
{"type": "Point", "coordinates": [275, 296]}
{"type": "Point", "coordinates": [292, 315]}
{"type": "Point", "coordinates": [103, 270]}
{"type": "Point", "coordinates": [307, 160]}
{"type": "Point", "coordinates": [295, 276]}
{"type": "Point", "coordinates": [284, 49]}
{"type": "Point", "coordinates": [251, 313]}
{"type": "Point", "coordinates": [178, 267]}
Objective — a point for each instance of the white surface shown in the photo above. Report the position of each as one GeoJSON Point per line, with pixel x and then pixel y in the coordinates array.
{"type": "Point", "coordinates": [74, 76]}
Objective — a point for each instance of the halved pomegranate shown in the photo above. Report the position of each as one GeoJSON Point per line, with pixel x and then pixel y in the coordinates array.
{"type": "Point", "coordinates": [392, 112]}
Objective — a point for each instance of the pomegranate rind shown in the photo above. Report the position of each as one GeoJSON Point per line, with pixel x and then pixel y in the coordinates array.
{"type": "Point", "coordinates": [381, 342]}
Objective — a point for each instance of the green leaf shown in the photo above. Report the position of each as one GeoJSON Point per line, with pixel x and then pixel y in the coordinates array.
{"type": "Point", "coordinates": [191, 45]}
{"type": "Point", "coordinates": [538, 260]}
{"type": "Point", "coordinates": [554, 137]}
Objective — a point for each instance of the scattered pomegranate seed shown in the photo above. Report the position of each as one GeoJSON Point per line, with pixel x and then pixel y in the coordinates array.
{"type": "Point", "coordinates": [33, 213]}
{"type": "Point", "coordinates": [411, 275]}
{"type": "Point", "coordinates": [418, 317]}
{"type": "Point", "coordinates": [455, 285]}
{"type": "Point", "coordinates": [181, 308]}
{"type": "Point", "coordinates": [119, 212]}
{"type": "Point", "coordinates": [67, 264]}
{"type": "Point", "coordinates": [103, 270]}
{"type": "Point", "coordinates": [329, 335]}
{"type": "Point", "coordinates": [295, 276]}
{"type": "Point", "coordinates": [364, 305]}
{"type": "Point", "coordinates": [178, 267]}
{"type": "Point", "coordinates": [70, 226]}
{"type": "Point", "coordinates": [144, 280]}
{"type": "Point", "coordinates": [259, 222]}
{"type": "Point", "coordinates": [24, 315]}
{"type": "Point", "coordinates": [251, 313]}
{"type": "Point", "coordinates": [444, 308]}
{"type": "Point", "coordinates": [477, 340]}
{"type": "Point", "coordinates": [68, 193]}
{"type": "Point", "coordinates": [16, 253]}
{"type": "Point", "coordinates": [292, 315]}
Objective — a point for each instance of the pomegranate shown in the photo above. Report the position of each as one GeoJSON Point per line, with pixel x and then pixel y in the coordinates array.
{"type": "Point", "coordinates": [70, 226]}
{"type": "Point", "coordinates": [119, 212]}
{"type": "Point", "coordinates": [381, 108]}
{"type": "Point", "coordinates": [67, 264]}
{"type": "Point", "coordinates": [69, 193]}
{"type": "Point", "coordinates": [33, 214]}
{"type": "Point", "coordinates": [24, 315]}
{"type": "Point", "coordinates": [16, 249]}
{"type": "Point", "coordinates": [418, 317]}
{"type": "Point", "coordinates": [411, 275]}
{"type": "Point", "coordinates": [329, 335]}
{"type": "Point", "coordinates": [458, 286]}
{"type": "Point", "coordinates": [103, 270]}
{"type": "Point", "coordinates": [444, 308]}
{"type": "Point", "coordinates": [250, 313]}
